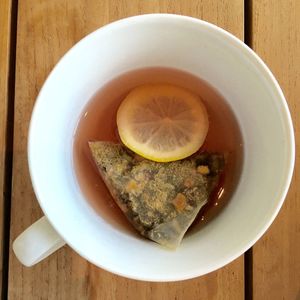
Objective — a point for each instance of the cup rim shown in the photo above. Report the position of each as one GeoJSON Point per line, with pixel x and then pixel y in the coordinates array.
{"type": "Point", "coordinates": [254, 58]}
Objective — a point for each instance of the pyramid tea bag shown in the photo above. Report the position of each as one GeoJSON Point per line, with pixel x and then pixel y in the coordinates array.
{"type": "Point", "coordinates": [161, 200]}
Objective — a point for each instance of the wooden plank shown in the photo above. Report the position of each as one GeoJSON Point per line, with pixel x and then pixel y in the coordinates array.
{"type": "Point", "coordinates": [5, 21]}
{"type": "Point", "coordinates": [276, 38]}
{"type": "Point", "coordinates": [46, 30]}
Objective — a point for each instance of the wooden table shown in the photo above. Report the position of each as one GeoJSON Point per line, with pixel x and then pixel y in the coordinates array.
{"type": "Point", "coordinates": [33, 36]}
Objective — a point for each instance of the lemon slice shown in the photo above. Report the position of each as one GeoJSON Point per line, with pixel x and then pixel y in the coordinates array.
{"type": "Point", "coordinates": [162, 122]}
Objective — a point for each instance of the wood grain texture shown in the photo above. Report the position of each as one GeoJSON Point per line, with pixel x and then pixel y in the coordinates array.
{"type": "Point", "coordinates": [276, 257]}
{"type": "Point", "coordinates": [46, 30]}
{"type": "Point", "coordinates": [5, 20]}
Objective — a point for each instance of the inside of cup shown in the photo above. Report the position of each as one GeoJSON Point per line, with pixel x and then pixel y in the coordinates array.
{"type": "Point", "coordinates": [207, 52]}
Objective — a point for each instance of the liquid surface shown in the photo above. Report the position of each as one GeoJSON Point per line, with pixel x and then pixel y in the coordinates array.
{"type": "Point", "coordinates": [98, 122]}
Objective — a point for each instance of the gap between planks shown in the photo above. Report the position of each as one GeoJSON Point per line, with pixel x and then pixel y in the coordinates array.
{"type": "Point", "coordinates": [9, 146]}
{"type": "Point", "coordinates": [248, 256]}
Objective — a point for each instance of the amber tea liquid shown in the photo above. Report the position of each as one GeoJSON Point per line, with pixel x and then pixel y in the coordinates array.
{"type": "Point", "coordinates": [98, 122]}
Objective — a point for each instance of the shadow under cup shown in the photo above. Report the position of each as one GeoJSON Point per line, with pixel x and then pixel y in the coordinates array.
{"type": "Point", "coordinates": [234, 71]}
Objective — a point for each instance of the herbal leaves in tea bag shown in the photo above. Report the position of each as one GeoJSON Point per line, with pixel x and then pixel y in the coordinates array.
{"type": "Point", "coordinates": [161, 200]}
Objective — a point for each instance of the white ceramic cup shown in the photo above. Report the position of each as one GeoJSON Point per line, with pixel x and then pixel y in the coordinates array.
{"type": "Point", "coordinates": [171, 41]}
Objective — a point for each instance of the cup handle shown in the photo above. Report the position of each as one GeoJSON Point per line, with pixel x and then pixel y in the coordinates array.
{"type": "Point", "coordinates": [37, 242]}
